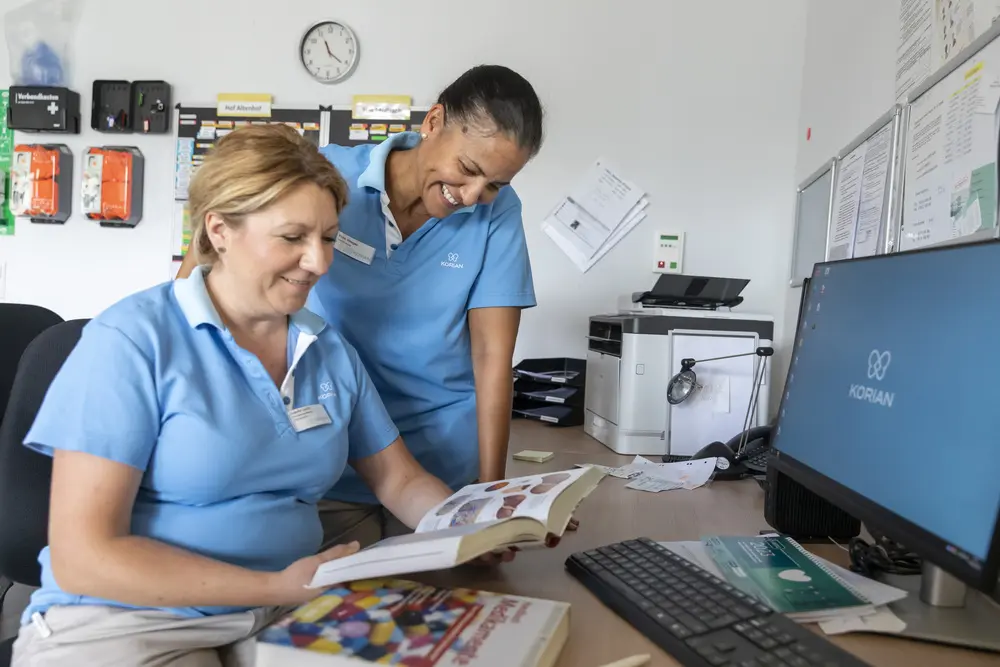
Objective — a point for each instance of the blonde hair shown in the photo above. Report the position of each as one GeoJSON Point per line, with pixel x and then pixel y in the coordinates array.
{"type": "Point", "coordinates": [250, 169]}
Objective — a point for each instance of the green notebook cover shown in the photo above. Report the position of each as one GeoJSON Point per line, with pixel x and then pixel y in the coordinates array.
{"type": "Point", "coordinates": [778, 572]}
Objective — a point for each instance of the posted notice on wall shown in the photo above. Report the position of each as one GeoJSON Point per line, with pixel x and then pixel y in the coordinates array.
{"type": "Point", "coordinates": [859, 201]}
{"type": "Point", "coordinates": [951, 174]}
{"type": "Point", "coordinates": [931, 32]}
{"type": "Point", "coordinates": [598, 213]}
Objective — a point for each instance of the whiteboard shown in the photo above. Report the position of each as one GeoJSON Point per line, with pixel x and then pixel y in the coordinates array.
{"type": "Point", "coordinates": [863, 195]}
{"type": "Point", "coordinates": [950, 180]}
{"type": "Point", "coordinates": [812, 221]}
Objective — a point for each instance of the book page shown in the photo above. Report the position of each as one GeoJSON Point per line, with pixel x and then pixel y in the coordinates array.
{"type": "Point", "coordinates": [530, 496]}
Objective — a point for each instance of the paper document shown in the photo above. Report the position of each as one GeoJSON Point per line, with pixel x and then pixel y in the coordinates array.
{"type": "Point", "coordinates": [860, 198]}
{"type": "Point", "coordinates": [932, 32]}
{"type": "Point", "coordinates": [950, 162]}
{"type": "Point", "coordinates": [883, 621]}
{"type": "Point", "coordinates": [656, 477]}
{"type": "Point", "coordinates": [845, 207]}
{"type": "Point", "coordinates": [597, 214]}
{"type": "Point", "coordinates": [652, 484]}
{"type": "Point", "coordinates": [873, 189]}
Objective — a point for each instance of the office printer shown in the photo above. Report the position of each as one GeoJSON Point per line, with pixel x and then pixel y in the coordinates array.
{"type": "Point", "coordinates": [633, 353]}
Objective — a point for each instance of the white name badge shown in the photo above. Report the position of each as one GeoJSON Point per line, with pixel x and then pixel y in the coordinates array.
{"type": "Point", "coordinates": [309, 416]}
{"type": "Point", "coordinates": [354, 248]}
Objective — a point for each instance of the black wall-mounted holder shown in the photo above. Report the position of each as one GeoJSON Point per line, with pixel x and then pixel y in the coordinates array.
{"type": "Point", "coordinates": [151, 107]}
{"type": "Point", "coordinates": [110, 106]}
{"type": "Point", "coordinates": [44, 109]}
{"type": "Point", "coordinates": [131, 106]}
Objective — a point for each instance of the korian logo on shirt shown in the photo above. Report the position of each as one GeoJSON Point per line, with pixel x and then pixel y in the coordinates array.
{"type": "Point", "coordinates": [326, 390]}
{"type": "Point", "coordinates": [452, 262]}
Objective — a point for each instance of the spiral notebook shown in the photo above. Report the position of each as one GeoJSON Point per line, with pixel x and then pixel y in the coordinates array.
{"type": "Point", "coordinates": [780, 573]}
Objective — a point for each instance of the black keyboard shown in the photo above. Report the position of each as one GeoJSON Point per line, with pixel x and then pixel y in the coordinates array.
{"type": "Point", "coordinates": [697, 618]}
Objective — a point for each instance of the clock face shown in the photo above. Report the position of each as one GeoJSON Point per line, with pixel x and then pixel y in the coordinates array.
{"type": "Point", "coordinates": [329, 51]}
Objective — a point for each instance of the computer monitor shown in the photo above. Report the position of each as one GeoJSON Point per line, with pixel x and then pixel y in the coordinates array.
{"type": "Point", "coordinates": [891, 411]}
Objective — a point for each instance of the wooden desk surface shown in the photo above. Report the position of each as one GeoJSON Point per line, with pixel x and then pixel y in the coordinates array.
{"type": "Point", "coordinates": [612, 513]}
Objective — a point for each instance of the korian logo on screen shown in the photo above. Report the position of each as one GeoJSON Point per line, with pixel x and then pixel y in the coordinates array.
{"type": "Point", "coordinates": [878, 366]}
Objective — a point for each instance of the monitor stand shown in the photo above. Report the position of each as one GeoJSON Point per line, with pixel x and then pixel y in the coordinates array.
{"type": "Point", "coordinates": [940, 608]}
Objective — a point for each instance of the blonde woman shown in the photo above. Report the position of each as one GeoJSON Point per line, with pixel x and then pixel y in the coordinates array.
{"type": "Point", "coordinates": [197, 424]}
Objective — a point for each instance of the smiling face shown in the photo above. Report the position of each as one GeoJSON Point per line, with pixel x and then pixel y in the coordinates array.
{"type": "Point", "coordinates": [461, 164]}
{"type": "Point", "coordinates": [276, 255]}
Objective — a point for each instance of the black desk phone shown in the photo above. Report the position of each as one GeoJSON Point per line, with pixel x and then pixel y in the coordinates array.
{"type": "Point", "coordinates": [753, 460]}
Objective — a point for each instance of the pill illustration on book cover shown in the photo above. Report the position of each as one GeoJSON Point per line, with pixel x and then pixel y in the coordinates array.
{"type": "Point", "coordinates": [797, 576]}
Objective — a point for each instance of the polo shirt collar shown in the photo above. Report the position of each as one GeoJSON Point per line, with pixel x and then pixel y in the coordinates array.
{"type": "Point", "coordinates": [192, 296]}
{"type": "Point", "coordinates": [374, 174]}
{"type": "Point", "coordinates": [194, 301]}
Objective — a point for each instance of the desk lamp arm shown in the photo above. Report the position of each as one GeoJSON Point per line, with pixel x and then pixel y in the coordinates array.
{"type": "Point", "coordinates": [688, 364]}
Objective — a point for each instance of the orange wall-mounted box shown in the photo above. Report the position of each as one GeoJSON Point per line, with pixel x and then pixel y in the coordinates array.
{"type": "Point", "coordinates": [111, 192]}
{"type": "Point", "coordinates": [41, 179]}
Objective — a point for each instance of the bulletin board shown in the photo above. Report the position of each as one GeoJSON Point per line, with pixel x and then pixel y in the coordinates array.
{"type": "Point", "coordinates": [346, 131]}
{"type": "Point", "coordinates": [199, 127]}
{"type": "Point", "coordinates": [813, 205]}
{"type": "Point", "coordinates": [865, 215]}
{"type": "Point", "coordinates": [950, 181]}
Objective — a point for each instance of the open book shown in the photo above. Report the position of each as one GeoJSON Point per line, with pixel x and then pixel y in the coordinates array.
{"type": "Point", "coordinates": [476, 520]}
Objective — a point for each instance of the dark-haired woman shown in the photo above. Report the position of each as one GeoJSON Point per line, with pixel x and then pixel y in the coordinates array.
{"type": "Point", "coordinates": [431, 272]}
{"type": "Point", "coordinates": [429, 277]}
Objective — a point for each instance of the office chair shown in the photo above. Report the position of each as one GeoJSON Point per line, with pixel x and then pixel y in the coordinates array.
{"type": "Point", "coordinates": [19, 324]}
{"type": "Point", "coordinates": [25, 475]}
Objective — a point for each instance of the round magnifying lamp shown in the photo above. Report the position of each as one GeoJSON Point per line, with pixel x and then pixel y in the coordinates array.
{"type": "Point", "coordinates": [682, 386]}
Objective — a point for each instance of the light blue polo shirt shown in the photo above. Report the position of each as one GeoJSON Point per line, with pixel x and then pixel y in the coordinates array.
{"type": "Point", "coordinates": [406, 310]}
{"type": "Point", "coordinates": [157, 382]}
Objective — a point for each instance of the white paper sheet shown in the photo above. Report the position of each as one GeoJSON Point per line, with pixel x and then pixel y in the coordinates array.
{"type": "Point", "coordinates": [874, 180]}
{"type": "Point", "coordinates": [950, 162]}
{"type": "Point", "coordinates": [665, 476]}
{"type": "Point", "coordinates": [932, 32]}
{"type": "Point", "coordinates": [598, 213]}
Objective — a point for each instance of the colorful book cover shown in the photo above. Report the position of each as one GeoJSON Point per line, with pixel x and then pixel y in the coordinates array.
{"type": "Point", "coordinates": [398, 622]}
{"type": "Point", "coordinates": [779, 573]}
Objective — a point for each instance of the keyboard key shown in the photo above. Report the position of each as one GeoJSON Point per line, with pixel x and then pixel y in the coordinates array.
{"type": "Point", "coordinates": [679, 631]}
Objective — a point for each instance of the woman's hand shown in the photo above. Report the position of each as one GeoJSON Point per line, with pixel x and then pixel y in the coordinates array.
{"type": "Point", "coordinates": [507, 555]}
{"type": "Point", "coordinates": [289, 586]}
{"type": "Point", "coordinates": [492, 558]}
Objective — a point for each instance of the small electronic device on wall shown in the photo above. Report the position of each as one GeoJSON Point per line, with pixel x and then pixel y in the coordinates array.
{"type": "Point", "coordinates": [111, 192]}
{"type": "Point", "coordinates": [41, 182]}
{"type": "Point", "coordinates": [44, 109]}
{"type": "Point", "coordinates": [119, 106]}
{"type": "Point", "coordinates": [329, 52]}
{"type": "Point", "coordinates": [669, 252]}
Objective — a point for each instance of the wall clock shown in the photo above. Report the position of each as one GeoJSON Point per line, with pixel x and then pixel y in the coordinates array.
{"type": "Point", "coordinates": [329, 51]}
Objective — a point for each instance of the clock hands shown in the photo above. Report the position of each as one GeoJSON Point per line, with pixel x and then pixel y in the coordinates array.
{"type": "Point", "coordinates": [327, 45]}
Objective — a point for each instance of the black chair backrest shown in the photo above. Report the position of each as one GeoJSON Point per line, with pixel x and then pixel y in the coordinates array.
{"type": "Point", "coordinates": [25, 475]}
{"type": "Point", "coordinates": [19, 324]}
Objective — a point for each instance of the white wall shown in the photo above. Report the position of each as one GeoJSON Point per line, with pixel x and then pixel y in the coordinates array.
{"type": "Point", "coordinates": [696, 101]}
{"type": "Point", "coordinates": [848, 82]}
